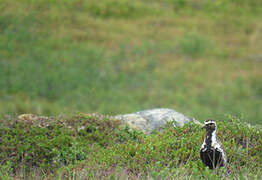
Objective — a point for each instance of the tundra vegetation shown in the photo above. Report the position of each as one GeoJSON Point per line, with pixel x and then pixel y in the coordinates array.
{"type": "Point", "coordinates": [88, 146]}
{"type": "Point", "coordinates": [201, 58]}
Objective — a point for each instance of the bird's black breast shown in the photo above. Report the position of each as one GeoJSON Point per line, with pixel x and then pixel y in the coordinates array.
{"type": "Point", "coordinates": [212, 158]}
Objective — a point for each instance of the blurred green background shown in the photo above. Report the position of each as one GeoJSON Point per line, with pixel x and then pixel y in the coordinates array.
{"type": "Point", "coordinates": [200, 57]}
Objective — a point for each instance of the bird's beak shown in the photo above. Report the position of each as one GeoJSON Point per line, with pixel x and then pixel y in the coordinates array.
{"type": "Point", "coordinates": [204, 127]}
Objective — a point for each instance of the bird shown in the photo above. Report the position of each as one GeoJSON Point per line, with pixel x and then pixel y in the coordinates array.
{"type": "Point", "coordinates": [212, 152]}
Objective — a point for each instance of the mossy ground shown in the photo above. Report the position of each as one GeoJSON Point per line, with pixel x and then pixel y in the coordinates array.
{"type": "Point", "coordinates": [95, 146]}
{"type": "Point", "coordinates": [201, 58]}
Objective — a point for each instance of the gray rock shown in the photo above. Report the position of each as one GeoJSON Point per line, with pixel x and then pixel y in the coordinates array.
{"type": "Point", "coordinates": [154, 119]}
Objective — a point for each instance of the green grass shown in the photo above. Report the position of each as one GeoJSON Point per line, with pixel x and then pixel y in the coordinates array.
{"type": "Point", "coordinates": [200, 58]}
{"type": "Point", "coordinates": [58, 57]}
{"type": "Point", "coordinates": [88, 146]}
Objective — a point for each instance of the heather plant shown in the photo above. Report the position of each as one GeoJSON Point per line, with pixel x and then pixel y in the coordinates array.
{"type": "Point", "coordinates": [97, 146]}
{"type": "Point", "coordinates": [199, 57]}
{"type": "Point", "coordinates": [57, 142]}
{"type": "Point", "coordinates": [174, 153]}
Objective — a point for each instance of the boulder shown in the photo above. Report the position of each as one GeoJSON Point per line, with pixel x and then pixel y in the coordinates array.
{"type": "Point", "coordinates": [146, 121]}
{"type": "Point", "coordinates": [152, 120]}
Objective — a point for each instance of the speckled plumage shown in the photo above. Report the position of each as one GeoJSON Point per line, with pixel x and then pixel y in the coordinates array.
{"type": "Point", "coordinates": [212, 152]}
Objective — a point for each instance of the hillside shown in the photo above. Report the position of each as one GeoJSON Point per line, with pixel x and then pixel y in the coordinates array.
{"type": "Point", "coordinates": [202, 58]}
{"type": "Point", "coordinates": [57, 57]}
{"type": "Point", "coordinates": [88, 146]}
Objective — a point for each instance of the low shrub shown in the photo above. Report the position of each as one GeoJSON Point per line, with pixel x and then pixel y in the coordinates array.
{"type": "Point", "coordinates": [49, 143]}
{"type": "Point", "coordinates": [193, 45]}
{"type": "Point", "coordinates": [96, 146]}
{"type": "Point", "coordinates": [175, 152]}
{"type": "Point", "coordinates": [119, 9]}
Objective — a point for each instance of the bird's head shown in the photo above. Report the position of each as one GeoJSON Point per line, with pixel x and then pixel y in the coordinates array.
{"type": "Point", "coordinates": [210, 125]}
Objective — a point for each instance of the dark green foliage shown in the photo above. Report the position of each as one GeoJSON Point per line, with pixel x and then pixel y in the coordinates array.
{"type": "Point", "coordinates": [107, 146]}
{"type": "Point", "coordinates": [119, 9]}
{"type": "Point", "coordinates": [193, 45]}
{"type": "Point", "coordinates": [29, 146]}
{"type": "Point", "coordinates": [121, 56]}
{"type": "Point", "coordinates": [180, 146]}
{"type": "Point", "coordinates": [179, 4]}
{"type": "Point", "coordinates": [236, 6]}
{"type": "Point", "coordinates": [57, 142]}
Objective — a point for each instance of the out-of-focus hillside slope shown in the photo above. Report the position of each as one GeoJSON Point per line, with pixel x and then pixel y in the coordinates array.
{"type": "Point", "coordinates": [202, 58]}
